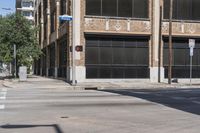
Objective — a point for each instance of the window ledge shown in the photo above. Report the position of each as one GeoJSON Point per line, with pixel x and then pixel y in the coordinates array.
{"type": "Point", "coordinates": [182, 21]}
{"type": "Point", "coordinates": [118, 18]}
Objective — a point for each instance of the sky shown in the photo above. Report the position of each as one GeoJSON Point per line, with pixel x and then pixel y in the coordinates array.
{"type": "Point", "coordinates": [7, 4]}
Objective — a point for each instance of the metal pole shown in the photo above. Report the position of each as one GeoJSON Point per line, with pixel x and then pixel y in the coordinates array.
{"type": "Point", "coordinates": [15, 56]}
{"type": "Point", "coordinates": [170, 43]}
{"type": "Point", "coordinates": [160, 48]}
{"type": "Point", "coordinates": [73, 45]}
{"type": "Point", "coordinates": [190, 70]}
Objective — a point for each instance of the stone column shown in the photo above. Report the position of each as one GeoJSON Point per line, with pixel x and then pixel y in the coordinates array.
{"type": "Point", "coordinates": [80, 69]}
{"type": "Point", "coordinates": [56, 42]}
{"type": "Point", "coordinates": [48, 38]}
{"type": "Point", "coordinates": [154, 69]}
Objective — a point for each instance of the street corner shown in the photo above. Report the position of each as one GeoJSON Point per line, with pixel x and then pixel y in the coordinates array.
{"type": "Point", "coordinates": [10, 83]}
{"type": "Point", "coordinates": [7, 84]}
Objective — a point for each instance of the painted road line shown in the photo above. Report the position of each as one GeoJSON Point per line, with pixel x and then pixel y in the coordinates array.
{"type": "Point", "coordinates": [197, 102]}
{"type": "Point", "coordinates": [178, 98]}
{"type": "Point", "coordinates": [4, 90]}
{"type": "Point", "coordinates": [3, 95]}
{"type": "Point", "coordinates": [2, 107]}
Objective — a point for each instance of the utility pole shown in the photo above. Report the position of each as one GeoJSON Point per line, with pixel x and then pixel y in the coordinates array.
{"type": "Point", "coordinates": [170, 43]}
{"type": "Point", "coordinates": [160, 44]}
{"type": "Point", "coordinates": [73, 44]}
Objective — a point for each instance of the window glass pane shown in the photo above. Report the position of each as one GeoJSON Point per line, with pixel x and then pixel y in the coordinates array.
{"type": "Point", "coordinates": [195, 9]}
{"type": "Point", "coordinates": [183, 9]}
{"type": "Point", "coordinates": [130, 72]}
{"type": "Point", "coordinates": [105, 72]}
{"type": "Point", "coordinates": [166, 9]}
{"type": "Point", "coordinates": [118, 72]}
{"type": "Point", "coordinates": [92, 72]}
{"type": "Point", "coordinates": [140, 9]}
{"type": "Point", "coordinates": [125, 8]}
{"type": "Point", "coordinates": [179, 56]}
{"type": "Point", "coordinates": [118, 51]}
{"type": "Point", "coordinates": [142, 56]}
{"type": "Point", "coordinates": [105, 51]}
{"type": "Point", "coordinates": [142, 52]}
{"type": "Point", "coordinates": [195, 57]}
{"type": "Point", "coordinates": [52, 55]}
{"type": "Point", "coordinates": [27, 14]}
{"type": "Point", "coordinates": [92, 55]}
{"type": "Point", "coordinates": [63, 53]}
{"type": "Point", "coordinates": [92, 50]}
{"type": "Point", "coordinates": [109, 7]}
{"type": "Point", "coordinates": [93, 7]}
{"type": "Point", "coordinates": [92, 41]}
{"type": "Point", "coordinates": [130, 52]}
{"type": "Point", "coordinates": [63, 7]}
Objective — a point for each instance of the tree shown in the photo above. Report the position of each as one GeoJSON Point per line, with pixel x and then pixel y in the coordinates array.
{"type": "Point", "coordinates": [15, 29]}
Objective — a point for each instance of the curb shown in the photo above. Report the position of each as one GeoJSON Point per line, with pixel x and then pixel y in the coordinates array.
{"type": "Point", "coordinates": [6, 84]}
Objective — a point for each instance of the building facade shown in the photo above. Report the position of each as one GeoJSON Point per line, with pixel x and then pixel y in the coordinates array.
{"type": "Point", "coordinates": [26, 8]}
{"type": "Point", "coordinates": [121, 39]}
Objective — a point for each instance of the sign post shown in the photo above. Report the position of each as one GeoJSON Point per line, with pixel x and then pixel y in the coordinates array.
{"type": "Point", "coordinates": [191, 46]}
{"type": "Point", "coordinates": [15, 60]}
{"type": "Point", "coordinates": [71, 18]}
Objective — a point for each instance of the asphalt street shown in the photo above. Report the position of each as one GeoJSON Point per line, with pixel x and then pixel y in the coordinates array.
{"type": "Point", "coordinates": [31, 109]}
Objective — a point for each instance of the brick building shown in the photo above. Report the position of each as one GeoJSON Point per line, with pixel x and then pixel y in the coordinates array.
{"type": "Point", "coordinates": [120, 39]}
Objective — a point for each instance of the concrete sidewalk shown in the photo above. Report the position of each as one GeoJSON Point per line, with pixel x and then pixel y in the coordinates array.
{"type": "Point", "coordinates": [42, 82]}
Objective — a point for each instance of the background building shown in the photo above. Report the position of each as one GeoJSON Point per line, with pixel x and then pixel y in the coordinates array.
{"type": "Point", "coordinates": [26, 8]}
{"type": "Point", "coordinates": [120, 39]}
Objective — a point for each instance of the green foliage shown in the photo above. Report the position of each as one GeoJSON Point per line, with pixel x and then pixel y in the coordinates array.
{"type": "Point", "coordinates": [15, 29]}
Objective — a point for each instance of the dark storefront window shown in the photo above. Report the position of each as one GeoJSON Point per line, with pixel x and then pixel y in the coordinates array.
{"type": "Point", "coordinates": [117, 57]}
{"type": "Point", "coordinates": [52, 59]}
{"type": "Point", "coordinates": [109, 7]}
{"type": "Point", "coordinates": [45, 4]}
{"type": "Point", "coordinates": [45, 30]}
{"type": "Point", "coordinates": [118, 8]}
{"type": "Point", "coordinates": [53, 23]}
{"type": "Point", "coordinates": [44, 62]}
{"type": "Point", "coordinates": [93, 7]}
{"type": "Point", "coordinates": [63, 7]}
{"type": "Point", "coordinates": [181, 59]}
{"type": "Point", "coordinates": [183, 9]}
{"type": "Point", "coordinates": [62, 59]}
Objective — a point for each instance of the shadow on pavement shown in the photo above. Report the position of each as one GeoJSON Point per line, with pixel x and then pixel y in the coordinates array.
{"type": "Point", "coordinates": [187, 100]}
{"type": "Point", "coordinates": [6, 77]}
{"type": "Point", "coordinates": [55, 126]}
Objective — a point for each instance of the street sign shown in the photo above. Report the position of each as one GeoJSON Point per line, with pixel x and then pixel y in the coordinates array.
{"type": "Point", "coordinates": [191, 43]}
{"type": "Point", "coordinates": [191, 46]}
{"type": "Point", "coordinates": [65, 18]}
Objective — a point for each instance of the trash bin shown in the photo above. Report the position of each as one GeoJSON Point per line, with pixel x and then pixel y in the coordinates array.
{"type": "Point", "coordinates": [23, 73]}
